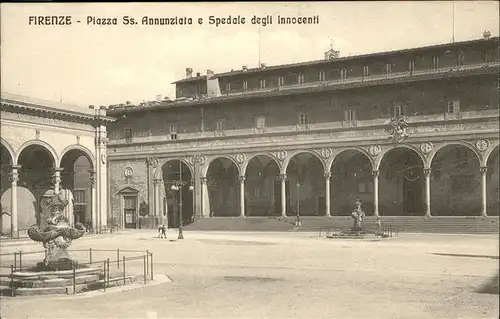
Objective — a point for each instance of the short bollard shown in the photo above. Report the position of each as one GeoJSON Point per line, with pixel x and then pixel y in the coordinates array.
{"type": "Point", "coordinates": [74, 278]}
{"type": "Point", "coordinates": [104, 275]}
{"type": "Point", "coordinates": [147, 262]}
{"type": "Point", "coordinates": [151, 266]}
{"type": "Point", "coordinates": [124, 270]}
{"type": "Point", "coordinates": [107, 269]}
{"type": "Point", "coordinates": [12, 288]}
{"type": "Point", "coordinates": [20, 260]}
{"type": "Point", "coordinates": [144, 269]}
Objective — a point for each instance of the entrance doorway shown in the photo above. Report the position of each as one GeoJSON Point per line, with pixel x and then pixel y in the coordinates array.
{"type": "Point", "coordinates": [412, 196]}
{"type": "Point", "coordinates": [130, 211]}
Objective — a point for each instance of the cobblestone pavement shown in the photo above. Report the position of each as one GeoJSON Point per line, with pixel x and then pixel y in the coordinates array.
{"type": "Point", "coordinates": [288, 275]}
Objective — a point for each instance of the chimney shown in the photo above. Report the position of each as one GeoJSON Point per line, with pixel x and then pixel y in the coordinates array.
{"type": "Point", "coordinates": [486, 34]}
{"type": "Point", "coordinates": [263, 65]}
{"type": "Point", "coordinates": [198, 74]}
{"type": "Point", "coordinates": [158, 97]}
{"type": "Point", "coordinates": [189, 72]}
{"type": "Point", "coordinates": [210, 73]}
{"type": "Point", "coordinates": [244, 68]}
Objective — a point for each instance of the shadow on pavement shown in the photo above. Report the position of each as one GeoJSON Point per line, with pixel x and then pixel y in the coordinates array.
{"type": "Point", "coordinates": [490, 286]}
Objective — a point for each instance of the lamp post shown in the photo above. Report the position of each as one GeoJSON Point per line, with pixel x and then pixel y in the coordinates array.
{"type": "Point", "coordinates": [177, 186]}
{"type": "Point", "coordinates": [297, 222]}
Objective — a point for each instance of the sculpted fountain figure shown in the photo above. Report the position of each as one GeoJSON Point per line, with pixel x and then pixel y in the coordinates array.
{"type": "Point", "coordinates": [56, 236]}
{"type": "Point", "coordinates": [358, 216]}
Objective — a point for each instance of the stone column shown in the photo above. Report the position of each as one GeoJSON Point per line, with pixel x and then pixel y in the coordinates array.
{"type": "Point", "coordinates": [57, 179]}
{"type": "Point", "coordinates": [328, 175]}
{"type": "Point", "coordinates": [484, 203]}
{"type": "Point", "coordinates": [155, 197]}
{"type": "Point", "coordinates": [375, 192]}
{"type": "Point", "coordinates": [242, 195]}
{"type": "Point", "coordinates": [205, 203]}
{"type": "Point", "coordinates": [283, 194]}
{"type": "Point", "coordinates": [427, 205]}
{"type": "Point", "coordinates": [14, 178]}
{"type": "Point", "coordinates": [93, 200]}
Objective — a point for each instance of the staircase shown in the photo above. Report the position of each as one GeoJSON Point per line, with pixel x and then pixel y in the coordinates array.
{"type": "Point", "coordinates": [438, 224]}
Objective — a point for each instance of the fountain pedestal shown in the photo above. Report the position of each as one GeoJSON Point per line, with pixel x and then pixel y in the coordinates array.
{"type": "Point", "coordinates": [56, 236]}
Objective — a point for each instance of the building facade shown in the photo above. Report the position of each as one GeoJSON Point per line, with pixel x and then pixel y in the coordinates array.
{"type": "Point", "coordinates": [51, 147]}
{"type": "Point", "coordinates": [410, 133]}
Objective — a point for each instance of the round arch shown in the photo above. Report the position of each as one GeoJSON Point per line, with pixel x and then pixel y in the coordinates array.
{"type": "Point", "coordinates": [50, 149]}
{"type": "Point", "coordinates": [158, 172]}
{"type": "Point", "coordinates": [10, 150]}
{"type": "Point", "coordinates": [380, 158]}
{"type": "Point", "coordinates": [86, 151]}
{"type": "Point", "coordinates": [432, 155]}
{"type": "Point", "coordinates": [295, 153]}
{"type": "Point", "coordinates": [254, 156]}
{"type": "Point", "coordinates": [330, 162]}
{"type": "Point", "coordinates": [207, 165]}
{"type": "Point", "coordinates": [456, 176]}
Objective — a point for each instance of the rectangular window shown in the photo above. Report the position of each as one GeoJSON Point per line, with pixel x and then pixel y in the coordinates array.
{"type": "Point", "coordinates": [435, 62]}
{"type": "Point", "coordinates": [454, 107]}
{"type": "Point", "coordinates": [343, 74]}
{"type": "Point", "coordinates": [245, 85]}
{"type": "Point", "coordinates": [303, 119]}
{"type": "Point", "coordinates": [322, 76]}
{"type": "Point", "coordinates": [366, 70]}
{"type": "Point", "coordinates": [350, 115]}
{"type": "Point", "coordinates": [461, 59]}
{"type": "Point", "coordinates": [221, 125]}
{"type": "Point", "coordinates": [260, 121]}
{"type": "Point", "coordinates": [228, 87]}
{"type": "Point", "coordinates": [80, 197]}
{"type": "Point", "coordinates": [128, 134]}
{"type": "Point", "coordinates": [262, 83]}
{"type": "Point", "coordinates": [412, 66]}
{"type": "Point", "coordinates": [173, 132]}
{"type": "Point", "coordinates": [300, 78]}
{"type": "Point", "coordinates": [388, 69]}
{"type": "Point", "coordinates": [281, 81]}
{"type": "Point", "coordinates": [486, 56]}
{"type": "Point", "coordinates": [398, 110]}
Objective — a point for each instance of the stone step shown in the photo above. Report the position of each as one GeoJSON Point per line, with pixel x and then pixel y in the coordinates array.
{"type": "Point", "coordinates": [34, 291]}
{"type": "Point", "coordinates": [473, 225]}
{"type": "Point", "coordinates": [56, 282]}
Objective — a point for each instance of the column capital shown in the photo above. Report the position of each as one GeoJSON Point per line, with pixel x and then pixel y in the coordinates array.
{"type": "Point", "coordinates": [203, 179]}
{"type": "Point", "coordinates": [327, 175]}
{"type": "Point", "coordinates": [282, 177]}
{"type": "Point", "coordinates": [93, 178]}
{"type": "Point", "coordinates": [427, 172]}
{"type": "Point", "coordinates": [375, 173]}
{"type": "Point", "coordinates": [15, 167]}
{"type": "Point", "coordinates": [242, 178]}
{"type": "Point", "coordinates": [58, 170]}
{"type": "Point", "coordinates": [483, 169]}
{"type": "Point", "coordinates": [14, 176]}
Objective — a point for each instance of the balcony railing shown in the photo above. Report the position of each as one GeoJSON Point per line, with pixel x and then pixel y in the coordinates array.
{"type": "Point", "coordinates": [363, 79]}
{"type": "Point", "coordinates": [290, 129]}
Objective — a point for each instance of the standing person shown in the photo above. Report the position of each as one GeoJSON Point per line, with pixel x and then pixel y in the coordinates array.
{"type": "Point", "coordinates": [162, 232]}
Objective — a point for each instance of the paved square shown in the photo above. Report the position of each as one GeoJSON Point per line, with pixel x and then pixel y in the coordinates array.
{"type": "Point", "coordinates": [289, 275]}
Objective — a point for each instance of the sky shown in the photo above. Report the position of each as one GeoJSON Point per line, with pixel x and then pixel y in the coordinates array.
{"type": "Point", "coordinates": [100, 65]}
